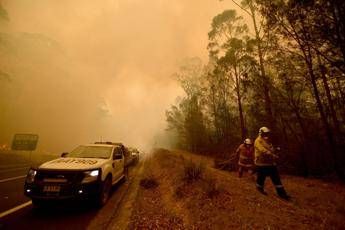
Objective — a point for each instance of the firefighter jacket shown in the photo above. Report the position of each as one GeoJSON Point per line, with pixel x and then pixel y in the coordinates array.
{"type": "Point", "coordinates": [264, 152]}
{"type": "Point", "coordinates": [246, 155]}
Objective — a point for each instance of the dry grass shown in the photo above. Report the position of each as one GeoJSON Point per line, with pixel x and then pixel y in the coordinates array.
{"type": "Point", "coordinates": [193, 171]}
{"type": "Point", "coordinates": [340, 208]}
{"type": "Point", "coordinates": [149, 182]}
{"type": "Point", "coordinates": [193, 175]}
{"type": "Point", "coordinates": [149, 179]}
{"type": "Point", "coordinates": [211, 186]}
{"type": "Point", "coordinates": [152, 210]}
{"type": "Point", "coordinates": [194, 195]}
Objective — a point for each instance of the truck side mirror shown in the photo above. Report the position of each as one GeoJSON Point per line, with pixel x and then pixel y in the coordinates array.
{"type": "Point", "coordinates": [64, 154]}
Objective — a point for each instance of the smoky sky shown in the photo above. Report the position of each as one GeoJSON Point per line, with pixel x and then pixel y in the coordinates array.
{"type": "Point", "coordinates": [79, 71]}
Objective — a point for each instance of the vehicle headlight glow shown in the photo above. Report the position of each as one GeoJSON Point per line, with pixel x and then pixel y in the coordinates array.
{"type": "Point", "coordinates": [94, 173]}
{"type": "Point", "coordinates": [91, 176]}
{"type": "Point", "coordinates": [30, 178]}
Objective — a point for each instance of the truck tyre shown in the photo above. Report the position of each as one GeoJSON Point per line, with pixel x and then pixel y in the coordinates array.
{"type": "Point", "coordinates": [105, 192]}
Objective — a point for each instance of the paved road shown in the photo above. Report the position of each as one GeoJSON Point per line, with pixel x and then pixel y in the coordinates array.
{"type": "Point", "coordinates": [13, 169]}
{"type": "Point", "coordinates": [71, 215]}
{"type": "Point", "coordinates": [11, 186]}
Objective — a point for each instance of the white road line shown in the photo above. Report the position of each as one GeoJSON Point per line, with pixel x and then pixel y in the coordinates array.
{"type": "Point", "coordinates": [12, 210]}
{"type": "Point", "coordinates": [12, 178]}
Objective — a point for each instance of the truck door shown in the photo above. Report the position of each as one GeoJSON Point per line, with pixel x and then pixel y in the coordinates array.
{"type": "Point", "coordinates": [118, 163]}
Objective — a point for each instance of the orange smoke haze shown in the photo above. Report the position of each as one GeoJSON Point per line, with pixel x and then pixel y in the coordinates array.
{"type": "Point", "coordinates": [77, 71]}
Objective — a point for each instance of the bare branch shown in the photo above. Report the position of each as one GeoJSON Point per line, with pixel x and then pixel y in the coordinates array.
{"type": "Point", "coordinates": [245, 10]}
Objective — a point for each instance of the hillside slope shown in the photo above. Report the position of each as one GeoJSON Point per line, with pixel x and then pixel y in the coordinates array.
{"type": "Point", "coordinates": [221, 200]}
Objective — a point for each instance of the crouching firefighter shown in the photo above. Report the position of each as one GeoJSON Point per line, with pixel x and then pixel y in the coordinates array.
{"type": "Point", "coordinates": [265, 163]}
{"type": "Point", "coordinates": [246, 157]}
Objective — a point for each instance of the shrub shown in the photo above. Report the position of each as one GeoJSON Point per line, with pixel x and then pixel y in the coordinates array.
{"type": "Point", "coordinates": [193, 171]}
{"type": "Point", "coordinates": [149, 181]}
{"type": "Point", "coordinates": [180, 191]}
{"type": "Point", "coordinates": [210, 186]}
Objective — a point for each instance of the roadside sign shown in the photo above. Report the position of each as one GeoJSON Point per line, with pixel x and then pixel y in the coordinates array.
{"type": "Point", "coordinates": [24, 142]}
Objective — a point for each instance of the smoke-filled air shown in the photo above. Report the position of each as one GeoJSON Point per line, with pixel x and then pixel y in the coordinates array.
{"type": "Point", "coordinates": [172, 114]}
{"type": "Point", "coordinates": [82, 71]}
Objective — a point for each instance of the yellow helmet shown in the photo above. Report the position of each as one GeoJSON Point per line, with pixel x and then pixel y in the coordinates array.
{"type": "Point", "coordinates": [264, 130]}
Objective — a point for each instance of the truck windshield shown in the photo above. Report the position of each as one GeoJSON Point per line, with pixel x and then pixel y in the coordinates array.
{"type": "Point", "coordinates": [91, 152]}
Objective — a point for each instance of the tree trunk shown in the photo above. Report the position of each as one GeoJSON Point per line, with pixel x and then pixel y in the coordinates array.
{"type": "Point", "coordinates": [342, 97]}
{"type": "Point", "coordinates": [329, 98]}
{"type": "Point", "coordinates": [240, 110]}
{"type": "Point", "coordinates": [339, 26]}
{"type": "Point", "coordinates": [265, 81]}
{"type": "Point", "coordinates": [305, 144]}
{"type": "Point", "coordinates": [309, 62]}
{"type": "Point", "coordinates": [305, 48]}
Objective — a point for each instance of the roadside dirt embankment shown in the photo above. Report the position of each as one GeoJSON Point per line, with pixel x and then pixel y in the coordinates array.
{"type": "Point", "coordinates": [180, 190]}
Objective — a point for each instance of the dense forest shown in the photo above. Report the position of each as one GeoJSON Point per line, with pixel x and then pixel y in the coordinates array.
{"type": "Point", "coordinates": [286, 72]}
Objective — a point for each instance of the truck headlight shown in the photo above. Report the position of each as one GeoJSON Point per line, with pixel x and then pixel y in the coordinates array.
{"type": "Point", "coordinates": [30, 178]}
{"type": "Point", "coordinates": [90, 176]}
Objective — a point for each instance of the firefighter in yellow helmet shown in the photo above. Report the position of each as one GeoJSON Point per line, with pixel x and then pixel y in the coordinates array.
{"type": "Point", "coordinates": [265, 163]}
{"type": "Point", "coordinates": [246, 157]}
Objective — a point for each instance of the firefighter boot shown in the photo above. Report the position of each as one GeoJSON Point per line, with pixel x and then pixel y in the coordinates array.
{"type": "Point", "coordinates": [261, 190]}
{"type": "Point", "coordinates": [282, 193]}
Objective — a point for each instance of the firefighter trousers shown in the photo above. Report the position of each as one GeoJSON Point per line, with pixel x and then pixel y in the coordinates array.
{"type": "Point", "coordinates": [272, 172]}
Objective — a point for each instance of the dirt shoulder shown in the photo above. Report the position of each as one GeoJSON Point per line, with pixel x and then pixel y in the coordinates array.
{"type": "Point", "coordinates": [191, 194]}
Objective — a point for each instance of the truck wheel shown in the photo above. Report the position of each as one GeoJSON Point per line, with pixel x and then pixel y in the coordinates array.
{"type": "Point", "coordinates": [104, 193]}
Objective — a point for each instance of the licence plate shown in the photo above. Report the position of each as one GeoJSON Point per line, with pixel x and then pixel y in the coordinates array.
{"type": "Point", "coordinates": [51, 188]}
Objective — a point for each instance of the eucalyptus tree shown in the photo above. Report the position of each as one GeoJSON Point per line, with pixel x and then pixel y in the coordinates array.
{"type": "Point", "coordinates": [294, 106]}
{"type": "Point", "coordinates": [236, 63]}
{"type": "Point", "coordinates": [218, 102]}
{"type": "Point", "coordinates": [175, 118]}
{"type": "Point", "coordinates": [224, 27]}
{"type": "Point", "coordinates": [187, 118]}
{"type": "Point", "coordinates": [250, 7]}
{"type": "Point", "coordinates": [301, 28]}
{"type": "Point", "coordinates": [227, 48]}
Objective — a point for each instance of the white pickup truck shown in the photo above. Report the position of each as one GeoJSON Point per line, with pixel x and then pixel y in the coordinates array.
{"type": "Point", "coordinates": [89, 171]}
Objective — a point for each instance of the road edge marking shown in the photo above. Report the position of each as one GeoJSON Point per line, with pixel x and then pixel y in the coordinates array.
{"type": "Point", "coordinates": [12, 178]}
{"type": "Point", "coordinates": [12, 210]}
{"type": "Point", "coordinates": [14, 169]}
